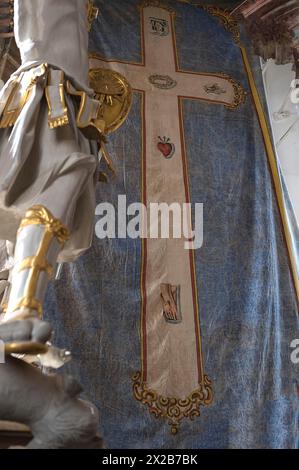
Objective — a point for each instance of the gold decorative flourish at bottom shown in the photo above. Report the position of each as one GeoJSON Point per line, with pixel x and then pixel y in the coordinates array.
{"type": "Point", "coordinates": [173, 409]}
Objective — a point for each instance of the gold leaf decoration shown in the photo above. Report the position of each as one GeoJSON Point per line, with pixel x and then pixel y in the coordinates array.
{"type": "Point", "coordinates": [171, 408]}
{"type": "Point", "coordinates": [92, 13]}
{"type": "Point", "coordinates": [239, 92]}
{"type": "Point", "coordinates": [229, 23]}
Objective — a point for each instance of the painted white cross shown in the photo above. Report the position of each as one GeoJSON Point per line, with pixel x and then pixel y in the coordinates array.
{"type": "Point", "coordinates": [172, 359]}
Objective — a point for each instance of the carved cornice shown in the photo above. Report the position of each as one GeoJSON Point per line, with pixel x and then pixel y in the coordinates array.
{"type": "Point", "coordinates": [7, 18]}
{"type": "Point", "coordinates": [273, 28]}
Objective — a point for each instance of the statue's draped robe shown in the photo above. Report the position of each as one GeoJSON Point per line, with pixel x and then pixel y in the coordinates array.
{"type": "Point", "coordinates": [246, 297]}
{"type": "Point", "coordinates": [34, 158]}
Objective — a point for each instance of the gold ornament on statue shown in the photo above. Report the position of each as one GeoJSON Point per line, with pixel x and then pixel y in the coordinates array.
{"type": "Point", "coordinates": [92, 13]}
{"type": "Point", "coordinates": [114, 93]}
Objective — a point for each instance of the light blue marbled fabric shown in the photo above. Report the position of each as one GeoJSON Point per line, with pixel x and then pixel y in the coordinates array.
{"type": "Point", "coordinates": [246, 296]}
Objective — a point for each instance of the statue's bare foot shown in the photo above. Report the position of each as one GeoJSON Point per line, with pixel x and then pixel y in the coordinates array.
{"type": "Point", "coordinates": [26, 336]}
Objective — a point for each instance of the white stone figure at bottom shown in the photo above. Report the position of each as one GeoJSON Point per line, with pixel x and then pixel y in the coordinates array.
{"type": "Point", "coordinates": [49, 125]}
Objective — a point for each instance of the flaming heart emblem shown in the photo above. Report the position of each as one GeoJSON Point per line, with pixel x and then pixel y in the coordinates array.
{"type": "Point", "coordinates": [166, 147]}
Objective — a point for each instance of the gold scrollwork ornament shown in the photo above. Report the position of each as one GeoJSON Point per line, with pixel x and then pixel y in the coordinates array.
{"type": "Point", "coordinates": [240, 93]}
{"type": "Point", "coordinates": [92, 13]}
{"type": "Point", "coordinates": [171, 408]}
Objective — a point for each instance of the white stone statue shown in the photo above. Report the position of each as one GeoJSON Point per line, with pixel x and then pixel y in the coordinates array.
{"type": "Point", "coordinates": [48, 165]}
{"type": "Point", "coordinates": [49, 133]}
{"type": "Point", "coordinates": [49, 406]}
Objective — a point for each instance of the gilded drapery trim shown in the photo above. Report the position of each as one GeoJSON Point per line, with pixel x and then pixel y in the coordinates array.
{"type": "Point", "coordinates": [39, 215]}
{"type": "Point", "coordinates": [92, 13]}
{"type": "Point", "coordinates": [19, 91]}
{"type": "Point", "coordinates": [62, 119]}
{"type": "Point", "coordinates": [17, 98]}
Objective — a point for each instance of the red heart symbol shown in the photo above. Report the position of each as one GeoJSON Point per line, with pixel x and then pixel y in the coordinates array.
{"type": "Point", "coordinates": [166, 148]}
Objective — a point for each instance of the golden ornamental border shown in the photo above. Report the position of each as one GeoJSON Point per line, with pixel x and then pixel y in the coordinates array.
{"type": "Point", "coordinates": [171, 408]}
{"type": "Point", "coordinates": [225, 17]}
{"type": "Point", "coordinates": [228, 22]}
{"type": "Point", "coordinates": [240, 93]}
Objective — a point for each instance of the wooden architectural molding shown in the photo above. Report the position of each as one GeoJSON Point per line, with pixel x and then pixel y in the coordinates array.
{"type": "Point", "coordinates": [273, 26]}
{"type": "Point", "coordinates": [6, 18]}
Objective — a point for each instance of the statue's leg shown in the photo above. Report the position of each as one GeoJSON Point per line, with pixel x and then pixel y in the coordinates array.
{"type": "Point", "coordinates": [64, 170]}
{"type": "Point", "coordinates": [40, 238]}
